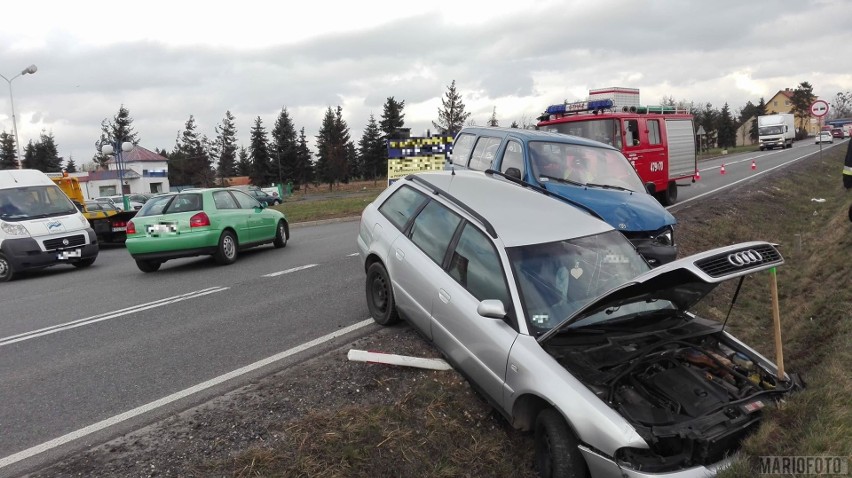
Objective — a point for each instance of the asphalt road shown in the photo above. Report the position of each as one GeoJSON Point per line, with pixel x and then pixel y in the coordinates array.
{"type": "Point", "coordinates": [89, 354]}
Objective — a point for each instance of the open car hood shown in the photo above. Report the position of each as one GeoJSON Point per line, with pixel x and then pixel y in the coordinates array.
{"type": "Point", "coordinates": [685, 281]}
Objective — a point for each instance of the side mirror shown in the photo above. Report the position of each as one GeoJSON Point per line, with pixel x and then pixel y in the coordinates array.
{"type": "Point", "coordinates": [650, 188]}
{"type": "Point", "coordinates": [513, 172]}
{"type": "Point", "coordinates": [491, 308]}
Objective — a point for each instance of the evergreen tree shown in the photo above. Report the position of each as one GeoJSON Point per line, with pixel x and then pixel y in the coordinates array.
{"type": "Point", "coordinates": [451, 117]}
{"type": "Point", "coordinates": [8, 151]}
{"type": "Point", "coordinates": [71, 166]}
{"type": "Point", "coordinates": [43, 154]}
{"type": "Point", "coordinates": [493, 120]}
{"type": "Point", "coordinates": [514, 124]}
{"type": "Point", "coordinates": [759, 110]}
{"type": "Point", "coordinates": [304, 170]}
{"type": "Point", "coordinates": [244, 164]}
{"type": "Point", "coordinates": [192, 151]}
{"type": "Point", "coordinates": [284, 148]}
{"type": "Point", "coordinates": [353, 161]}
{"type": "Point", "coordinates": [393, 119]}
{"type": "Point", "coordinates": [727, 129]}
{"type": "Point", "coordinates": [374, 152]}
{"type": "Point", "coordinates": [120, 130]}
{"type": "Point", "coordinates": [332, 143]}
{"type": "Point", "coordinates": [225, 147]}
{"type": "Point", "coordinates": [261, 167]}
{"type": "Point", "coordinates": [708, 117]}
{"type": "Point", "coordinates": [803, 97]}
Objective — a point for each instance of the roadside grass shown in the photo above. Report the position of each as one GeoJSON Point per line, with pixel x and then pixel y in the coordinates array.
{"type": "Point", "coordinates": [325, 208]}
{"type": "Point", "coordinates": [441, 429]}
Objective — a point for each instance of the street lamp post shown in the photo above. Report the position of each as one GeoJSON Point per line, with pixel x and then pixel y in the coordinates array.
{"type": "Point", "coordinates": [28, 70]}
{"type": "Point", "coordinates": [110, 148]}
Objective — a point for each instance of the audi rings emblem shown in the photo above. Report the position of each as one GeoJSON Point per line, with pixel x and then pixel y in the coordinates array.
{"type": "Point", "coordinates": [65, 242]}
{"type": "Point", "coordinates": [744, 258]}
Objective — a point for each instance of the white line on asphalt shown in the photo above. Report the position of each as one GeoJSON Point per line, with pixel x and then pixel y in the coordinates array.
{"type": "Point", "coordinates": [679, 203]}
{"type": "Point", "coordinates": [48, 445]}
{"type": "Point", "coordinates": [108, 315]}
{"type": "Point", "coordinates": [295, 269]}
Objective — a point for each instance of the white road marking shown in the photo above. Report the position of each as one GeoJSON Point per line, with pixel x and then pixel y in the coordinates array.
{"type": "Point", "coordinates": [56, 442]}
{"type": "Point", "coordinates": [295, 269]}
{"type": "Point", "coordinates": [108, 315]}
{"type": "Point", "coordinates": [750, 177]}
{"type": "Point", "coordinates": [352, 255]}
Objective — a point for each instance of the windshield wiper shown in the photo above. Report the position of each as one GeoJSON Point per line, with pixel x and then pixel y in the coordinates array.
{"type": "Point", "coordinates": [561, 180]}
{"type": "Point", "coordinates": [608, 186]}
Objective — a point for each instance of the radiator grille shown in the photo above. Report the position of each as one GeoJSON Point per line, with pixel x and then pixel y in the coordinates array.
{"type": "Point", "coordinates": [59, 243]}
{"type": "Point", "coordinates": [729, 263]}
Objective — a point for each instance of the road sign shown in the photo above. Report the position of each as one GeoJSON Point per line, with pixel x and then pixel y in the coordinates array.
{"type": "Point", "coordinates": [819, 108]}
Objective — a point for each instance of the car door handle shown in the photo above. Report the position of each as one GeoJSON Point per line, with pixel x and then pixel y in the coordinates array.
{"type": "Point", "coordinates": [444, 296]}
{"type": "Point", "coordinates": [400, 255]}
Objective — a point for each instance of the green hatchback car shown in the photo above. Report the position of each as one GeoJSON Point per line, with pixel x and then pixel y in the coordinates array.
{"type": "Point", "coordinates": [217, 221]}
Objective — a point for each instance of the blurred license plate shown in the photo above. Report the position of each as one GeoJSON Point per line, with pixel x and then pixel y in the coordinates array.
{"type": "Point", "coordinates": [119, 229]}
{"type": "Point", "coordinates": [69, 254]}
{"type": "Point", "coordinates": [157, 229]}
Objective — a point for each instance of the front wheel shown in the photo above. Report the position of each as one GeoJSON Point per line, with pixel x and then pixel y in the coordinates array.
{"type": "Point", "coordinates": [380, 300]}
{"type": "Point", "coordinates": [7, 272]}
{"type": "Point", "coordinates": [281, 234]}
{"type": "Point", "coordinates": [226, 252]}
{"type": "Point", "coordinates": [556, 451]}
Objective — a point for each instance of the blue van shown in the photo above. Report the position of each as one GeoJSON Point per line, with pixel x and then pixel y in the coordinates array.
{"type": "Point", "coordinates": [586, 173]}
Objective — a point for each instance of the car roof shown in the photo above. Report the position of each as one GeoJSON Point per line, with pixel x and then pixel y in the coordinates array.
{"type": "Point", "coordinates": [533, 135]}
{"type": "Point", "coordinates": [518, 215]}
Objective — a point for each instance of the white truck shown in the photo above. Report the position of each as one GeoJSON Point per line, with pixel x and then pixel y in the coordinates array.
{"type": "Point", "coordinates": [776, 130]}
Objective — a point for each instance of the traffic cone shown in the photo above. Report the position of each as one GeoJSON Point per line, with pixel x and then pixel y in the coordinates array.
{"type": "Point", "coordinates": [722, 171]}
{"type": "Point", "coordinates": [753, 165]}
{"type": "Point", "coordinates": [697, 175]}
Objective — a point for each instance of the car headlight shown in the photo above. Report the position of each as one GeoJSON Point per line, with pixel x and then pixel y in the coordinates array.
{"type": "Point", "coordinates": [666, 237]}
{"type": "Point", "coordinates": [14, 229]}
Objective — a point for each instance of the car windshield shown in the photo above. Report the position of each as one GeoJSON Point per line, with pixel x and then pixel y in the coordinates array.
{"type": "Point", "coordinates": [584, 165]}
{"type": "Point", "coordinates": [33, 202]}
{"type": "Point", "coordinates": [556, 279]}
{"type": "Point", "coordinates": [777, 129]}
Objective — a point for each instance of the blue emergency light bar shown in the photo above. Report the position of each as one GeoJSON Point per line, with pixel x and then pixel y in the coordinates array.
{"type": "Point", "coordinates": [579, 106]}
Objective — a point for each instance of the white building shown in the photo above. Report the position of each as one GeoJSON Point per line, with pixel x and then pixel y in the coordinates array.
{"type": "Point", "coordinates": [143, 172]}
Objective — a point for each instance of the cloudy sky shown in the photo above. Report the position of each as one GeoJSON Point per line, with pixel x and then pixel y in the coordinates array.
{"type": "Point", "coordinates": [167, 60]}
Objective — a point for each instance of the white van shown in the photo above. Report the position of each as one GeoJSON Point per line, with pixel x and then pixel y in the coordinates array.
{"type": "Point", "coordinates": [40, 226]}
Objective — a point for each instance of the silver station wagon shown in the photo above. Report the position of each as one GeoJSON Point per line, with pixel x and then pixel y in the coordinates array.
{"type": "Point", "coordinates": [555, 318]}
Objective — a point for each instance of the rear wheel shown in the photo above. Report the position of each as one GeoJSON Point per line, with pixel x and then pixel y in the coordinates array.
{"type": "Point", "coordinates": [556, 452]}
{"type": "Point", "coordinates": [669, 196]}
{"type": "Point", "coordinates": [281, 234]}
{"type": "Point", "coordinates": [6, 270]}
{"type": "Point", "coordinates": [226, 252]}
{"type": "Point", "coordinates": [380, 300]}
{"type": "Point", "coordinates": [148, 266]}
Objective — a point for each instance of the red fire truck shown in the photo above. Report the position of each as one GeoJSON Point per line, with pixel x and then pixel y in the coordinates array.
{"type": "Point", "coordinates": [658, 140]}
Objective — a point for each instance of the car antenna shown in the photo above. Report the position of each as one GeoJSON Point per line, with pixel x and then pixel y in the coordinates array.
{"type": "Point", "coordinates": [733, 301]}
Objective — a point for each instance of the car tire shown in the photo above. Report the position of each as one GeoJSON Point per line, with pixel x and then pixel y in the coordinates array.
{"type": "Point", "coordinates": [281, 235]}
{"type": "Point", "coordinates": [556, 452]}
{"type": "Point", "coordinates": [82, 264]}
{"type": "Point", "coordinates": [148, 266]}
{"type": "Point", "coordinates": [226, 251]}
{"type": "Point", "coordinates": [669, 196]}
{"type": "Point", "coordinates": [380, 299]}
{"type": "Point", "coordinates": [7, 272]}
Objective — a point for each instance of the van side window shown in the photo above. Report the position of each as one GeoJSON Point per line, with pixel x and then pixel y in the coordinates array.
{"type": "Point", "coordinates": [513, 157]}
{"type": "Point", "coordinates": [462, 147]}
{"type": "Point", "coordinates": [631, 132]}
{"type": "Point", "coordinates": [476, 266]}
{"type": "Point", "coordinates": [433, 229]}
{"type": "Point", "coordinates": [484, 153]}
{"type": "Point", "coordinates": [654, 131]}
{"type": "Point", "coordinates": [402, 205]}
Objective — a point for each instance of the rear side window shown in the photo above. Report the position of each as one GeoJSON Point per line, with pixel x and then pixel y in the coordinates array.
{"type": "Point", "coordinates": [433, 230]}
{"type": "Point", "coordinates": [462, 147]}
{"type": "Point", "coordinates": [484, 153]}
{"type": "Point", "coordinates": [476, 266]}
{"type": "Point", "coordinates": [402, 205]}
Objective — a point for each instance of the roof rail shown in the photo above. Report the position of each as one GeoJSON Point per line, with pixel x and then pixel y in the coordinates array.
{"type": "Point", "coordinates": [522, 183]}
{"type": "Point", "coordinates": [440, 192]}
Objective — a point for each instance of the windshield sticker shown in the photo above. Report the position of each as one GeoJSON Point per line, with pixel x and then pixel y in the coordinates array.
{"type": "Point", "coordinates": [577, 271]}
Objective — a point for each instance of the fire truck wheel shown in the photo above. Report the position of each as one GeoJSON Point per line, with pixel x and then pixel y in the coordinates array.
{"type": "Point", "coordinates": [669, 196]}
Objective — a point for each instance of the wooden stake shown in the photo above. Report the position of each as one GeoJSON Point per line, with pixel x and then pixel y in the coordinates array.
{"type": "Point", "coordinates": [776, 319]}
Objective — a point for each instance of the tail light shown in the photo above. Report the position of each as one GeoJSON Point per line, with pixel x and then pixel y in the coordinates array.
{"type": "Point", "coordinates": [199, 220]}
{"type": "Point", "coordinates": [119, 224]}
{"type": "Point", "coordinates": [131, 228]}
